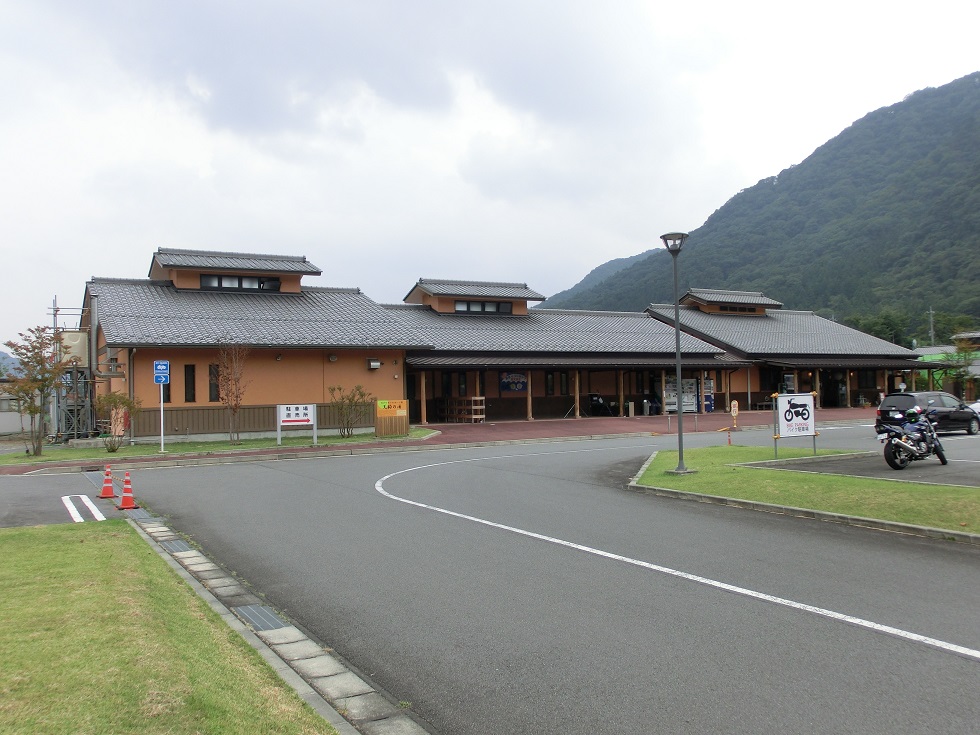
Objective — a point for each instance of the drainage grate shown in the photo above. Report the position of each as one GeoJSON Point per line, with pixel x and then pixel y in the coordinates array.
{"type": "Point", "coordinates": [260, 617]}
{"type": "Point", "coordinates": [141, 514]}
{"type": "Point", "coordinates": [172, 547]}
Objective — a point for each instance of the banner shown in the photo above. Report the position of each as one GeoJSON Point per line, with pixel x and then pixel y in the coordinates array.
{"type": "Point", "coordinates": [513, 383]}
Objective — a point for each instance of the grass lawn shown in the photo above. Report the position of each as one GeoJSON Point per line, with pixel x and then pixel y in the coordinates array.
{"type": "Point", "coordinates": [100, 635]}
{"type": "Point", "coordinates": [935, 506]}
{"type": "Point", "coordinates": [63, 453]}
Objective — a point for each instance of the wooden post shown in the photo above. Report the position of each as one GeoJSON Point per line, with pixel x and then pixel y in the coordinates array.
{"type": "Point", "coordinates": [578, 413]}
{"type": "Point", "coordinates": [622, 396]}
{"type": "Point", "coordinates": [422, 391]}
{"type": "Point", "coordinates": [530, 415]}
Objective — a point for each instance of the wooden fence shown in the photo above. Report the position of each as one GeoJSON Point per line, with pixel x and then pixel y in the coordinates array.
{"type": "Point", "coordinates": [196, 420]}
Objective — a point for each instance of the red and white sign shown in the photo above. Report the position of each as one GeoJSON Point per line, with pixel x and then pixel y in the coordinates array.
{"type": "Point", "coordinates": [297, 414]}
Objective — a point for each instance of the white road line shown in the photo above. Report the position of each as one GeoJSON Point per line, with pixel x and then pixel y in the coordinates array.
{"type": "Point", "coordinates": [73, 511]}
{"type": "Point", "coordinates": [841, 617]}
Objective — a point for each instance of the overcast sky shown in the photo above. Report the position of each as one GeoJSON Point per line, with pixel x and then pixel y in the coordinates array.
{"type": "Point", "coordinates": [392, 140]}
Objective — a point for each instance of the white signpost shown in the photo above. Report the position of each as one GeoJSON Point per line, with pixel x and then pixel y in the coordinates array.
{"type": "Point", "coordinates": [795, 416]}
{"type": "Point", "coordinates": [295, 414]}
{"type": "Point", "coordinates": [161, 376]}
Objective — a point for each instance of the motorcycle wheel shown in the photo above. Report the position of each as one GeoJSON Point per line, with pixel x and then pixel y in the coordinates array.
{"type": "Point", "coordinates": [938, 449]}
{"type": "Point", "coordinates": [788, 414]}
{"type": "Point", "coordinates": [805, 414]}
{"type": "Point", "coordinates": [897, 459]}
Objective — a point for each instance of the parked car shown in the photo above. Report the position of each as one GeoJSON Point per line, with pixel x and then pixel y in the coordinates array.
{"type": "Point", "coordinates": [951, 414]}
{"type": "Point", "coordinates": [976, 407]}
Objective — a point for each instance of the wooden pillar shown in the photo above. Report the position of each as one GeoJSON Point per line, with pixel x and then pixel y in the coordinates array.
{"type": "Point", "coordinates": [578, 412]}
{"type": "Point", "coordinates": [847, 389]}
{"type": "Point", "coordinates": [622, 395]}
{"type": "Point", "coordinates": [815, 387]}
{"type": "Point", "coordinates": [530, 415]}
{"type": "Point", "coordinates": [424, 413]}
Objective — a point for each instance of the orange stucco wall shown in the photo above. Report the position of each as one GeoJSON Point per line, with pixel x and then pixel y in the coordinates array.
{"type": "Point", "coordinates": [299, 376]}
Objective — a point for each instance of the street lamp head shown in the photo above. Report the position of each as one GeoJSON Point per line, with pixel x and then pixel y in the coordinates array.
{"type": "Point", "coordinates": [673, 241]}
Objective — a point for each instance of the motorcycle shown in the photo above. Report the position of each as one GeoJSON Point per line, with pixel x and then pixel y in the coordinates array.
{"type": "Point", "coordinates": [910, 441]}
{"type": "Point", "coordinates": [796, 409]}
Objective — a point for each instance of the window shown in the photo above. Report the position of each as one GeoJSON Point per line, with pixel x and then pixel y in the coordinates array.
{"type": "Point", "coordinates": [462, 385]}
{"type": "Point", "coordinates": [224, 282]}
{"type": "Point", "coordinates": [484, 307]}
{"type": "Point", "coordinates": [214, 391]}
{"type": "Point", "coordinates": [166, 392]}
{"type": "Point", "coordinates": [549, 384]}
{"type": "Point", "coordinates": [190, 389]}
{"type": "Point", "coordinates": [867, 379]}
{"type": "Point", "coordinates": [563, 383]}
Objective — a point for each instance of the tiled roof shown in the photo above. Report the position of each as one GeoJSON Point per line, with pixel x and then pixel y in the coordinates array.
{"type": "Point", "coordinates": [546, 331]}
{"type": "Point", "coordinates": [141, 312]}
{"type": "Point", "coordinates": [779, 333]}
{"type": "Point", "coordinates": [714, 296]}
{"type": "Point", "coordinates": [477, 289]}
{"type": "Point", "coordinates": [219, 261]}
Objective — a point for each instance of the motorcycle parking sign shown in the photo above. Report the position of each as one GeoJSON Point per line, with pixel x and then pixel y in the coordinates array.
{"type": "Point", "coordinates": [795, 414]}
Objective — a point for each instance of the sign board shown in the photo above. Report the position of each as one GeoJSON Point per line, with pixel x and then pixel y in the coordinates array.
{"type": "Point", "coordinates": [296, 414]}
{"type": "Point", "coordinates": [161, 367]}
{"type": "Point", "coordinates": [392, 408]}
{"type": "Point", "coordinates": [513, 382]}
{"type": "Point", "coordinates": [795, 414]}
{"type": "Point", "coordinates": [161, 378]}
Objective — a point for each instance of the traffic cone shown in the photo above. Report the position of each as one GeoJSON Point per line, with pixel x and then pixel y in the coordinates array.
{"type": "Point", "coordinates": [107, 489]}
{"type": "Point", "coordinates": [127, 496]}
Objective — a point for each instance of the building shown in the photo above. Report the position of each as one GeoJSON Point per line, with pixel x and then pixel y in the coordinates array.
{"type": "Point", "coordinates": [455, 350]}
{"type": "Point", "coordinates": [789, 351]}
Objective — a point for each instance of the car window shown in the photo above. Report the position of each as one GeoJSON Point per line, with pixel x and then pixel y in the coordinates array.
{"type": "Point", "coordinates": [900, 402]}
{"type": "Point", "coordinates": [949, 401]}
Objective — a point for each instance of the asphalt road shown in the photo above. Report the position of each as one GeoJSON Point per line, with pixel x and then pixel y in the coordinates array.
{"type": "Point", "coordinates": [420, 569]}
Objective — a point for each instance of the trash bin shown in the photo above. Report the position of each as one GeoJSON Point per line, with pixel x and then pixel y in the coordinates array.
{"type": "Point", "coordinates": [629, 409]}
{"type": "Point", "coordinates": [646, 407]}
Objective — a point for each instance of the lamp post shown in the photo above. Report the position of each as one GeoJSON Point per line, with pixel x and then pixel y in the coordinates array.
{"type": "Point", "coordinates": [673, 241]}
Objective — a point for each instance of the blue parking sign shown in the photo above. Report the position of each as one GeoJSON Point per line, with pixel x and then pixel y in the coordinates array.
{"type": "Point", "coordinates": [161, 367]}
{"type": "Point", "coordinates": [161, 378]}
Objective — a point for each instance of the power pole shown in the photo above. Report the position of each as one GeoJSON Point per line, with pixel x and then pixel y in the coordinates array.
{"type": "Point", "coordinates": [932, 330]}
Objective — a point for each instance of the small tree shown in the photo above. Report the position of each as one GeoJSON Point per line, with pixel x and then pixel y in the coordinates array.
{"type": "Point", "coordinates": [114, 408]}
{"type": "Point", "coordinates": [232, 384]}
{"type": "Point", "coordinates": [960, 361]}
{"type": "Point", "coordinates": [350, 406]}
{"type": "Point", "coordinates": [35, 378]}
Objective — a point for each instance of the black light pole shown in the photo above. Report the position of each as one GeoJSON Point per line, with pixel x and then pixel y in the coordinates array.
{"type": "Point", "coordinates": [673, 241]}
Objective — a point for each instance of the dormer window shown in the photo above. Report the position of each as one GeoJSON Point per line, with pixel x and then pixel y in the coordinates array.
{"type": "Point", "coordinates": [224, 282]}
{"type": "Point", "coordinates": [485, 307]}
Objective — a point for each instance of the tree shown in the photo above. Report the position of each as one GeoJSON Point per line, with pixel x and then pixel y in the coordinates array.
{"type": "Point", "coordinates": [960, 361]}
{"type": "Point", "coordinates": [232, 358]}
{"type": "Point", "coordinates": [35, 378]}
{"type": "Point", "coordinates": [115, 408]}
{"type": "Point", "coordinates": [350, 406]}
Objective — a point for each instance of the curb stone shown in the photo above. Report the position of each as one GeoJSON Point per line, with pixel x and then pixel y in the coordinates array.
{"type": "Point", "coordinates": [340, 696]}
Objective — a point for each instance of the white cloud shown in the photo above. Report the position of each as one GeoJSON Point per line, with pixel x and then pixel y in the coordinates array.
{"type": "Point", "coordinates": [388, 141]}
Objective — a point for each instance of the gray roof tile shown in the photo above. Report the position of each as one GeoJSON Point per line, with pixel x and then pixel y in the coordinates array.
{"type": "Point", "coordinates": [779, 332]}
{"type": "Point", "coordinates": [140, 312]}
{"type": "Point", "coordinates": [221, 261]}
{"type": "Point", "coordinates": [478, 289]}
{"type": "Point", "coordinates": [547, 331]}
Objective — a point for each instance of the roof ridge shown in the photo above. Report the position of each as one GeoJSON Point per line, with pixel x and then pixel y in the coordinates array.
{"type": "Point", "coordinates": [469, 282]}
{"type": "Point", "coordinates": [226, 253]}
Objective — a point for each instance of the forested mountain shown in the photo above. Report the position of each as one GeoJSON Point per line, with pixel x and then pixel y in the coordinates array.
{"type": "Point", "coordinates": [876, 228]}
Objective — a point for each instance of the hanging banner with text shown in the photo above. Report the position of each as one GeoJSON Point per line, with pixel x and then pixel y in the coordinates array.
{"type": "Point", "coordinates": [513, 382]}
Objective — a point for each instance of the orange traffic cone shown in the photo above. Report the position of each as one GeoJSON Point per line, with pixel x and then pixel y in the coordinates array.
{"type": "Point", "coordinates": [127, 496]}
{"type": "Point", "coordinates": [107, 490]}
